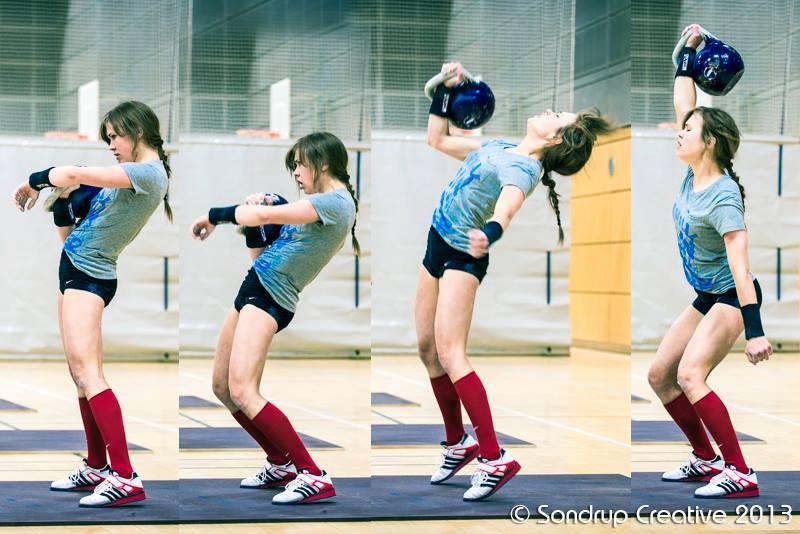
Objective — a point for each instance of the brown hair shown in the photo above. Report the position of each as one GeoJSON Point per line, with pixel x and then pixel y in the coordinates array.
{"type": "Point", "coordinates": [571, 154]}
{"type": "Point", "coordinates": [318, 150]}
{"type": "Point", "coordinates": [721, 126]}
{"type": "Point", "coordinates": [133, 119]}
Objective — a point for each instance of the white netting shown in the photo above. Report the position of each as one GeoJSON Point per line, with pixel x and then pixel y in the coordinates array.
{"type": "Point", "coordinates": [767, 34]}
{"type": "Point", "coordinates": [523, 50]}
{"type": "Point", "coordinates": [235, 51]}
{"type": "Point", "coordinates": [49, 48]}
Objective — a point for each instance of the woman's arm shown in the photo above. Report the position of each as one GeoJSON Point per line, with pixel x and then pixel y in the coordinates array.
{"type": "Point", "coordinates": [300, 212]}
{"type": "Point", "coordinates": [26, 193]}
{"type": "Point", "coordinates": [684, 96]}
{"type": "Point", "coordinates": [438, 126]}
{"type": "Point", "coordinates": [508, 204]}
{"type": "Point", "coordinates": [736, 250]}
{"type": "Point", "coordinates": [439, 138]}
{"type": "Point", "coordinates": [106, 177]}
{"type": "Point", "coordinates": [758, 348]}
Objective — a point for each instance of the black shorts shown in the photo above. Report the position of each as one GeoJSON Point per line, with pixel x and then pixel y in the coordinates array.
{"type": "Point", "coordinates": [704, 300]}
{"type": "Point", "coordinates": [440, 256]}
{"type": "Point", "coordinates": [70, 277]}
{"type": "Point", "coordinates": [253, 292]}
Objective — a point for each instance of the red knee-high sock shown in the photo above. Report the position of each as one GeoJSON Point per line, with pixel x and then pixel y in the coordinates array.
{"type": "Point", "coordinates": [684, 415]}
{"type": "Point", "coordinates": [717, 420]}
{"type": "Point", "coordinates": [274, 454]}
{"type": "Point", "coordinates": [95, 446]}
{"type": "Point", "coordinates": [473, 397]}
{"type": "Point", "coordinates": [108, 415]}
{"type": "Point", "coordinates": [450, 406]}
{"type": "Point", "coordinates": [270, 421]}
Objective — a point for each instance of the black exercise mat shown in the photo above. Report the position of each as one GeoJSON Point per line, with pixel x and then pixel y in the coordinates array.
{"type": "Point", "coordinates": [223, 501]}
{"type": "Point", "coordinates": [414, 497]}
{"type": "Point", "coordinates": [387, 399]}
{"type": "Point", "coordinates": [191, 401]}
{"type": "Point", "coordinates": [48, 440]}
{"type": "Point", "coordinates": [234, 437]}
{"type": "Point", "coordinates": [32, 503]}
{"type": "Point", "coordinates": [408, 435]}
{"type": "Point", "coordinates": [776, 488]}
{"type": "Point", "coordinates": [667, 431]}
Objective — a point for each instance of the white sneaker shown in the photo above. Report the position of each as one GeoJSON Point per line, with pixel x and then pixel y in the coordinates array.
{"type": "Point", "coordinates": [491, 476]}
{"type": "Point", "coordinates": [695, 469]}
{"type": "Point", "coordinates": [271, 475]}
{"type": "Point", "coordinates": [83, 478]}
{"type": "Point", "coordinates": [306, 488]}
{"type": "Point", "coordinates": [455, 457]}
{"type": "Point", "coordinates": [115, 491]}
{"type": "Point", "coordinates": [730, 484]}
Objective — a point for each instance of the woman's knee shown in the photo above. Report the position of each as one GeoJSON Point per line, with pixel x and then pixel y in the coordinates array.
{"type": "Point", "coordinates": [86, 378]}
{"type": "Point", "coordinates": [219, 385]}
{"type": "Point", "coordinates": [690, 376]}
{"type": "Point", "coordinates": [450, 356]}
{"type": "Point", "coordinates": [659, 378]}
{"type": "Point", "coordinates": [427, 351]}
{"type": "Point", "coordinates": [240, 392]}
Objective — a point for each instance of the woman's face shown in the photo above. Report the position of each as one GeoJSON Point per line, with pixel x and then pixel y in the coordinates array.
{"type": "Point", "coordinates": [689, 144]}
{"type": "Point", "coordinates": [120, 145]}
{"type": "Point", "coordinates": [545, 125]}
{"type": "Point", "coordinates": [304, 176]}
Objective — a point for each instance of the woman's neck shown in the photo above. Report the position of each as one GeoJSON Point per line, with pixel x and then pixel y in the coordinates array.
{"type": "Point", "coordinates": [328, 184]}
{"type": "Point", "coordinates": [705, 172]}
{"type": "Point", "coordinates": [530, 146]}
{"type": "Point", "coordinates": [146, 154]}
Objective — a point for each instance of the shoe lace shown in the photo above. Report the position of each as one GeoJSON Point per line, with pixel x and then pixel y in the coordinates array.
{"type": "Point", "coordinates": [262, 475]}
{"type": "Point", "coordinates": [301, 480]}
{"type": "Point", "coordinates": [103, 486]}
{"type": "Point", "coordinates": [720, 477]}
{"type": "Point", "coordinates": [74, 477]}
{"type": "Point", "coordinates": [686, 467]}
{"type": "Point", "coordinates": [480, 476]}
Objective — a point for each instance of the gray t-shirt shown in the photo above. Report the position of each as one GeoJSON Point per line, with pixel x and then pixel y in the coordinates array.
{"type": "Point", "coordinates": [115, 218]}
{"type": "Point", "coordinates": [701, 219]}
{"type": "Point", "coordinates": [302, 250]}
{"type": "Point", "coordinates": [468, 201]}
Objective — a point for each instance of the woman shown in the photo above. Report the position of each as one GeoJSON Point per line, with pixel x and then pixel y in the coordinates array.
{"type": "Point", "coordinates": [131, 193]}
{"type": "Point", "coordinates": [712, 238]}
{"type": "Point", "coordinates": [314, 229]}
{"type": "Point", "coordinates": [474, 211]}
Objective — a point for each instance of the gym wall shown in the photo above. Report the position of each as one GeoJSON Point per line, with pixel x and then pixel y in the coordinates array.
{"type": "Point", "coordinates": [767, 34]}
{"type": "Point", "coordinates": [600, 255]}
{"type": "Point", "coordinates": [39, 78]}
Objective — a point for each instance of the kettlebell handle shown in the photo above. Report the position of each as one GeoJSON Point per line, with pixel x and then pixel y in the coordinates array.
{"type": "Point", "coordinates": [685, 38]}
{"type": "Point", "coordinates": [441, 77]}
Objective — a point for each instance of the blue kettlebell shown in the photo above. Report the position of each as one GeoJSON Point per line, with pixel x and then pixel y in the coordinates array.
{"type": "Point", "coordinates": [717, 67]}
{"type": "Point", "coordinates": [471, 104]}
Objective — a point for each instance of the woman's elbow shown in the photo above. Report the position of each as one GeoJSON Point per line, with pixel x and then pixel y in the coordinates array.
{"type": "Point", "coordinates": [66, 176]}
